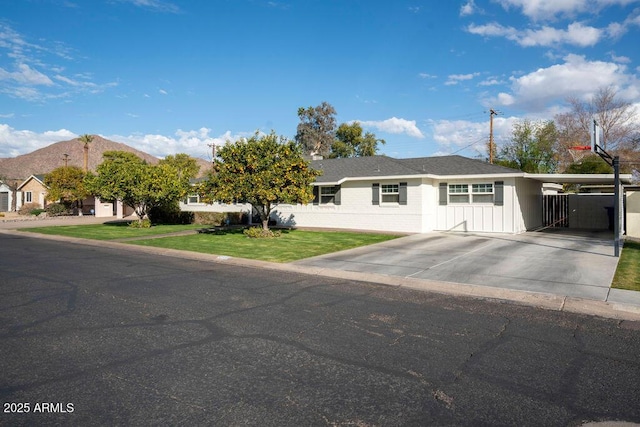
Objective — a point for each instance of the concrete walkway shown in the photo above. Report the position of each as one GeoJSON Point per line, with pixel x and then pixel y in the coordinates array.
{"type": "Point", "coordinates": [560, 271]}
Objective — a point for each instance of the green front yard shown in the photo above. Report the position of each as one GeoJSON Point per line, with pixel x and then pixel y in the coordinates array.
{"type": "Point", "coordinates": [291, 246]}
{"type": "Point", "coordinates": [628, 272]}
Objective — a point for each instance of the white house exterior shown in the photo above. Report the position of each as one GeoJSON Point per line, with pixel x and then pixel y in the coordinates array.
{"type": "Point", "coordinates": [417, 196]}
{"type": "Point", "coordinates": [6, 197]}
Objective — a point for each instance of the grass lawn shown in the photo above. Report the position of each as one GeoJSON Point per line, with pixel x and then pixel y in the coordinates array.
{"type": "Point", "coordinates": [628, 272]}
{"type": "Point", "coordinates": [116, 230]}
{"type": "Point", "coordinates": [291, 246]}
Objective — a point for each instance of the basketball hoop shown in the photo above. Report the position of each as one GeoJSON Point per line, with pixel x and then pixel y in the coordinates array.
{"type": "Point", "coordinates": [579, 152]}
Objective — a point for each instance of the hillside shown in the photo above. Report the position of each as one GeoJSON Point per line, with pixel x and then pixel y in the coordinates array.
{"type": "Point", "coordinates": [50, 157]}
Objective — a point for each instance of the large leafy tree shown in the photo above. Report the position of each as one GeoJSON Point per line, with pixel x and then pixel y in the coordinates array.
{"type": "Point", "coordinates": [532, 147]}
{"type": "Point", "coordinates": [124, 176]}
{"type": "Point", "coordinates": [349, 142]}
{"type": "Point", "coordinates": [185, 165]}
{"type": "Point", "coordinates": [316, 130]}
{"type": "Point", "coordinates": [264, 170]}
{"type": "Point", "coordinates": [617, 118]}
{"type": "Point", "coordinates": [66, 184]}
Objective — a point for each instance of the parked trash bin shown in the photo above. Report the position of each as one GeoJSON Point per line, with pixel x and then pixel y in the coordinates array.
{"type": "Point", "coordinates": [610, 214]}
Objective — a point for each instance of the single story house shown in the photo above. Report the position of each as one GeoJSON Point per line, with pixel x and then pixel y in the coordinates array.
{"type": "Point", "coordinates": [419, 195]}
{"type": "Point", "coordinates": [33, 190]}
{"type": "Point", "coordinates": [5, 197]}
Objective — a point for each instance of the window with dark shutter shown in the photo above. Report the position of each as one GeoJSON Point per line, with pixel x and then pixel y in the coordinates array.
{"type": "Point", "coordinates": [375, 194]}
{"type": "Point", "coordinates": [443, 193]}
{"type": "Point", "coordinates": [336, 197]}
{"type": "Point", "coordinates": [499, 193]}
{"type": "Point", "coordinates": [316, 195]}
{"type": "Point", "coordinates": [402, 193]}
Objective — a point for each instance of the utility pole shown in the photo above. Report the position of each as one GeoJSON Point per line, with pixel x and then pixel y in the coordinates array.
{"type": "Point", "coordinates": [492, 113]}
{"type": "Point", "coordinates": [213, 159]}
{"type": "Point", "coordinates": [66, 159]}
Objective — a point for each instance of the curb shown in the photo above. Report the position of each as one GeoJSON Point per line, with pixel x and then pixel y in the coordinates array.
{"type": "Point", "coordinates": [611, 310]}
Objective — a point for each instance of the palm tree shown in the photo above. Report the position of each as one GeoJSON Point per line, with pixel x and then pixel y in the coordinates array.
{"type": "Point", "coordinates": [86, 138]}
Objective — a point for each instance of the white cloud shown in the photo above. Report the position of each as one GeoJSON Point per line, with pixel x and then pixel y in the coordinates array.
{"type": "Point", "coordinates": [26, 75]}
{"type": "Point", "coordinates": [492, 81]}
{"type": "Point", "coordinates": [426, 76]}
{"type": "Point", "coordinates": [576, 34]}
{"type": "Point", "coordinates": [396, 126]}
{"type": "Point", "coordinates": [551, 9]}
{"type": "Point", "coordinates": [162, 92]}
{"type": "Point", "coordinates": [454, 79]}
{"type": "Point", "coordinates": [469, 8]}
{"type": "Point", "coordinates": [455, 135]}
{"type": "Point", "coordinates": [157, 5]}
{"type": "Point", "coordinates": [16, 142]}
{"type": "Point", "coordinates": [192, 142]}
{"type": "Point", "coordinates": [575, 77]}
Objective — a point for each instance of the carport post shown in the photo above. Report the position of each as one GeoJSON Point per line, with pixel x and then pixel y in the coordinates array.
{"type": "Point", "coordinates": [616, 207]}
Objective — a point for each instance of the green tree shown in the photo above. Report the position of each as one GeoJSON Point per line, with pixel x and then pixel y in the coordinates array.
{"type": "Point", "coordinates": [532, 147]}
{"type": "Point", "coordinates": [86, 140]}
{"type": "Point", "coordinates": [316, 130]}
{"type": "Point", "coordinates": [589, 164]}
{"type": "Point", "coordinates": [124, 176]}
{"type": "Point", "coordinates": [186, 167]}
{"type": "Point", "coordinates": [349, 142]}
{"type": "Point", "coordinates": [66, 184]}
{"type": "Point", "coordinates": [263, 171]}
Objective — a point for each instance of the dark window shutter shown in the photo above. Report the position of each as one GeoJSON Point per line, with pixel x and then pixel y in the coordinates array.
{"type": "Point", "coordinates": [316, 195]}
{"type": "Point", "coordinates": [336, 198]}
{"type": "Point", "coordinates": [375, 194]}
{"type": "Point", "coordinates": [498, 197]}
{"type": "Point", "coordinates": [443, 193]}
{"type": "Point", "coordinates": [402, 193]}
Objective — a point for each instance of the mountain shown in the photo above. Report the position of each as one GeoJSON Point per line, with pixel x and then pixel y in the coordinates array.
{"type": "Point", "coordinates": [52, 156]}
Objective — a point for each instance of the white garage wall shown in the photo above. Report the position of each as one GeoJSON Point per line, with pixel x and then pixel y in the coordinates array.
{"type": "Point", "coordinates": [528, 205]}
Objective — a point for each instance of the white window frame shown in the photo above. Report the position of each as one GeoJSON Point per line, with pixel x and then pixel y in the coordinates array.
{"type": "Point", "coordinates": [482, 193]}
{"type": "Point", "coordinates": [389, 194]}
{"type": "Point", "coordinates": [327, 195]}
{"type": "Point", "coordinates": [458, 193]}
{"type": "Point", "coordinates": [28, 197]}
{"type": "Point", "coordinates": [189, 200]}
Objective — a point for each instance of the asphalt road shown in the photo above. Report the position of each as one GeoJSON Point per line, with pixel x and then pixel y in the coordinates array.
{"type": "Point", "coordinates": [103, 336]}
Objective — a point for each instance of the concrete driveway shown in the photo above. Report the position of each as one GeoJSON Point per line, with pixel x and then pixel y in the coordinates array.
{"type": "Point", "coordinates": [569, 263]}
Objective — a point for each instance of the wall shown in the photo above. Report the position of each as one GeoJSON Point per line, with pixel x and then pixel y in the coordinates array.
{"type": "Point", "coordinates": [633, 213]}
{"type": "Point", "coordinates": [477, 217]}
{"type": "Point", "coordinates": [528, 206]}
{"type": "Point", "coordinates": [38, 192]}
{"type": "Point", "coordinates": [357, 212]}
{"type": "Point", "coordinates": [587, 211]}
{"type": "Point", "coordinates": [5, 196]}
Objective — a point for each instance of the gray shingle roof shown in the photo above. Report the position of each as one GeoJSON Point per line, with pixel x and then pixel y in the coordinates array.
{"type": "Point", "coordinates": [380, 166]}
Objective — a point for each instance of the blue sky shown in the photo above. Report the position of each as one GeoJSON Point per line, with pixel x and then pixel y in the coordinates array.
{"type": "Point", "coordinates": [170, 76]}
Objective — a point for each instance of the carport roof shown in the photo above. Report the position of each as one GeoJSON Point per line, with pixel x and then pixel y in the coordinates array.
{"type": "Point", "coordinates": [578, 178]}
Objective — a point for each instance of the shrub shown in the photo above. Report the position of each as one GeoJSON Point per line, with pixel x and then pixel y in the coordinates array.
{"type": "Point", "coordinates": [36, 212]}
{"type": "Point", "coordinates": [219, 218]}
{"type": "Point", "coordinates": [259, 233]}
{"type": "Point", "coordinates": [145, 223]}
{"type": "Point", "coordinates": [28, 207]}
{"type": "Point", "coordinates": [1, 214]}
{"type": "Point", "coordinates": [170, 215]}
{"type": "Point", "coordinates": [57, 209]}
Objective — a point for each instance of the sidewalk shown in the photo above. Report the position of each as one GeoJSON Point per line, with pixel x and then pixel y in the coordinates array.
{"type": "Point", "coordinates": [619, 304]}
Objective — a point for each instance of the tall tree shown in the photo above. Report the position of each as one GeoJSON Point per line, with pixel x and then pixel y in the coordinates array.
{"type": "Point", "coordinates": [350, 142]}
{"type": "Point", "coordinates": [316, 130]}
{"type": "Point", "coordinates": [66, 184]}
{"type": "Point", "coordinates": [618, 119]}
{"type": "Point", "coordinates": [124, 176]}
{"type": "Point", "coordinates": [532, 147]}
{"type": "Point", "coordinates": [86, 140]}
{"type": "Point", "coordinates": [185, 165]}
{"type": "Point", "coordinates": [263, 171]}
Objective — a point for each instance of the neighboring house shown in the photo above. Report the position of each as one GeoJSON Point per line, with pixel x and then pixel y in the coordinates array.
{"type": "Point", "coordinates": [33, 191]}
{"type": "Point", "coordinates": [419, 195]}
{"type": "Point", "coordinates": [5, 197]}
